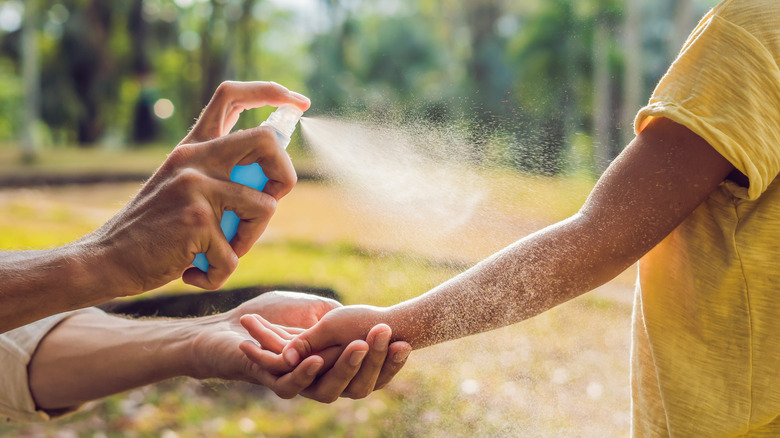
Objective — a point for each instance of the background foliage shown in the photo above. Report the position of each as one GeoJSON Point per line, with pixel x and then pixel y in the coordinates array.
{"type": "Point", "coordinates": [541, 73]}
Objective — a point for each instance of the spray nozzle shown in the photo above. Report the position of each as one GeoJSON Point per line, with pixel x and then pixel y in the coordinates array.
{"type": "Point", "coordinates": [284, 119]}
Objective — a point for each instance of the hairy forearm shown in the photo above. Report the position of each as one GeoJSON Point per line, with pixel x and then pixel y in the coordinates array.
{"type": "Point", "coordinates": [93, 355]}
{"type": "Point", "coordinates": [36, 284]}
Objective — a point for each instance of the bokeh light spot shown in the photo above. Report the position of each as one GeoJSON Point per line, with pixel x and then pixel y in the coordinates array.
{"type": "Point", "coordinates": [11, 16]}
{"type": "Point", "coordinates": [189, 40]}
{"type": "Point", "coordinates": [163, 108]}
{"type": "Point", "coordinates": [469, 387]}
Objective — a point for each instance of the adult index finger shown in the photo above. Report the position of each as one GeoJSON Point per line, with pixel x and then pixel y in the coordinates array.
{"type": "Point", "coordinates": [231, 98]}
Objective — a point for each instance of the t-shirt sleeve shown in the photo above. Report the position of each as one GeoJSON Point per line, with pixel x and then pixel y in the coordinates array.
{"type": "Point", "coordinates": [725, 87]}
{"type": "Point", "coordinates": [16, 349]}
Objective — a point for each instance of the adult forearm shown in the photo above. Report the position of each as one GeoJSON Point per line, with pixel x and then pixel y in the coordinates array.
{"type": "Point", "coordinates": [36, 284]}
{"type": "Point", "coordinates": [93, 355]}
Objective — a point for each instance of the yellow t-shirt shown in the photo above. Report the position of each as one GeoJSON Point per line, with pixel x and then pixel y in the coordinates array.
{"type": "Point", "coordinates": [706, 334]}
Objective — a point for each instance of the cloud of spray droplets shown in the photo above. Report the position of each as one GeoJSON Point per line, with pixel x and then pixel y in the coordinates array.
{"type": "Point", "coordinates": [411, 171]}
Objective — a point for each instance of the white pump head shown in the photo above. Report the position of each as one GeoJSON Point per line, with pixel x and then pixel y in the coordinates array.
{"type": "Point", "coordinates": [284, 119]}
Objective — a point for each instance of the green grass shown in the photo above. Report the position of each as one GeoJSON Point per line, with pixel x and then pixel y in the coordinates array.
{"type": "Point", "coordinates": [26, 226]}
{"type": "Point", "coordinates": [73, 159]}
{"type": "Point", "coordinates": [70, 159]}
{"type": "Point", "coordinates": [545, 198]}
{"type": "Point", "coordinates": [378, 279]}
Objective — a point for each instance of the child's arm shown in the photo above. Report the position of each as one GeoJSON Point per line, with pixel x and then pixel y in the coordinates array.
{"type": "Point", "coordinates": [661, 177]}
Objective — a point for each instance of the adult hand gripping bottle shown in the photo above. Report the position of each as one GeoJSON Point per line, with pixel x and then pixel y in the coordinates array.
{"type": "Point", "coordinates": [283, 121]}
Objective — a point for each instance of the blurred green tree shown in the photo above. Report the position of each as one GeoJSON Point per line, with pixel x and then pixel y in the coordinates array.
{"type": "Point", "coordinates": [547, 74]}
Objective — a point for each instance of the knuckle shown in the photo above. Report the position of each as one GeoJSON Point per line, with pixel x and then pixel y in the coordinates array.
{"type": "Point", "coordinates": [180, 155]}
{"type": "Point", "coordinates": [274, 88]}
{"type": "Point", "coordinates": [293, 179]}
{"type": "Point", "coordinates": [196, 215]}
{"type": "Point", "coordinates": [212, 286]}
{"type": "Point", "coordinates": [188, 180]}
{"type": "Point", "coordinates": [327, 398]}
{"type": "Point", "coordinates": [232, 263]}
{"type": "Point", "coordinates": [225, 89]}
{"type": "Point", "coordinates": [266, 138]}
{"type": "Point", "coordinates": [285, 393]}
{"type": "Point", "coordinates": [362, 393]}
{"type": "Point", "coordinates": [266, 203]}
{"type": "Point", "coordinates": [344, 375]}
{"type": "Point", "coordinates": [306, 346]}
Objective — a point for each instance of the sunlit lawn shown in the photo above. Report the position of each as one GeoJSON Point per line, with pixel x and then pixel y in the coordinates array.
{"type": "Point", "coordinates": [72, 159]}
{"type": "Point", "coordinates": [564, 373]}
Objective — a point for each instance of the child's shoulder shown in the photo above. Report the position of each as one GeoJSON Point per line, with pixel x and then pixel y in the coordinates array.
{"type": "Point", "coordinates": [759, 19]}
{"type": "Point", "coordinates": [746, 12]}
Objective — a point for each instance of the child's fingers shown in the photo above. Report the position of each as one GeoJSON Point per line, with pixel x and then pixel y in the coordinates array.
{"type": "Point", "coordinates": [284, 332]}
{"type": "Point", "coordinates": [294, 331]}
{"type": "Point", "coordinates": [266, 360]}
{"type": "Point", "coordinates": [310, 341]}
{"type": "Point", "coordinates": [264, 333]}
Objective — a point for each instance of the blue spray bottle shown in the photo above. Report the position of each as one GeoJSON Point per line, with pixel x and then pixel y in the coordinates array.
{"type": "Point", "coordinates": [283, 121]}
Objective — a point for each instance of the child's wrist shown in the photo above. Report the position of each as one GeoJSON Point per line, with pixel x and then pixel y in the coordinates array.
{"type": "Point", "coordinates": [401, 322]}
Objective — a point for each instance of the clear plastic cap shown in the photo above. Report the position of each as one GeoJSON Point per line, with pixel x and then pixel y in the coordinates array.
{"type": "Point", "coordinates": [284, 119]}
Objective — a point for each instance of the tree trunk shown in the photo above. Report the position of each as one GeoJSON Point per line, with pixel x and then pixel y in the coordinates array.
{"type": "Point", "coordinates": [684, 21]}
{"type": "Point", "coordinates": [602, 149]}
{"type": "Point", "coordinates": [90, 71]}
{"type": "Point", "coordinates": [31, 80]}
{"type": "Point", "coordinates": [570, 104]}
{"type": "Point", "coordinates": [632, 78]}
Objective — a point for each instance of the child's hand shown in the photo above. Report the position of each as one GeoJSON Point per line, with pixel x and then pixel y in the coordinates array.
{"type": "Point", "coordinates": [335, 329]}
{"type": "Point", "coordinates": [339, 328]}
{"type": "Point", "coordinates": [352, 367]}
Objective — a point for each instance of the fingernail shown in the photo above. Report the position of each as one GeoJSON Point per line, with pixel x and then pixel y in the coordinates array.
{"type": "Point", "coordinates": [381, 340]}
{"type": "Point", "coordinates": [299, 96]}
{"type": "Point", "coordinates": [292, 357]}
{"type": "Point", "coordinates": [401, 356]}
{"type": "Point", "coordinates": [357, 357]}
{"type": "Point", "coordinates": [314, 369]}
